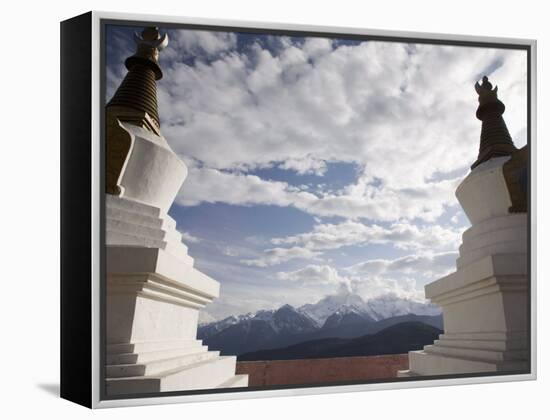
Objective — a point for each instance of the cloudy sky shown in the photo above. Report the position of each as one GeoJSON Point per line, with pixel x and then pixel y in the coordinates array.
{"type": "Point", "coordinates": [318, 165]}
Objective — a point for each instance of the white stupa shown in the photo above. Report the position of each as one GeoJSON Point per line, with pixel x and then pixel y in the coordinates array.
{"type": "Point", "coordinates": [485, 301]}
{"type": "Point", "coordinates": [154, 294]}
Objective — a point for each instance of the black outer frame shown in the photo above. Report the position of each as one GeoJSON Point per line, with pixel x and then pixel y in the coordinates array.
{"type": "Point", "coordinates": [77, 333]}
{"type": "Point", "coordinates": [76, 201]}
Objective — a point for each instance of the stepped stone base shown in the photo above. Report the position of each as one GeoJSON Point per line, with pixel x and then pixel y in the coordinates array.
{"type": "Point", "coordinates": [485, 320]}
{"type": "Point", "coordinates": [430, 363]}
{"type": "Point", "coordinates": [154, 295]}
{"type": "Point", "coordinates": [168, 366]}
{"type": "Point", "coordinates": [485, 302]}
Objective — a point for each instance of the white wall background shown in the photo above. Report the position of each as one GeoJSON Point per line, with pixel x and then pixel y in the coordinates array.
{"type": "Point", "coordinates": [29, 174]}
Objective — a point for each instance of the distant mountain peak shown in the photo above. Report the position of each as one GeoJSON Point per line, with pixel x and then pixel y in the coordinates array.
{"type": "Point", "coordinates": [288, 319]}
{"type": "Point", "coordinates": [345, 317]}
{"type": "Point", "coordinates": [286, 308]}
{"type": "Point", "coordinates": [346, 309]}
{"type": "Point", "coordinates": [341, 315]}
{"type": "Point", "coordinates": [377, 308]}
{"type": "Point", "coordinates": [263, 314]}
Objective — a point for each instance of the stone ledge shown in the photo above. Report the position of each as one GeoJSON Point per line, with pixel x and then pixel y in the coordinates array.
{"type": "Point", "coordinates": [125, 260]}
{"type": "Point", "coordinates": [495, 224]}
{"type": "Point", "coordinates": [488, 335]}
{"type": "Point", "coordinates": [495, 345]}
{"type": "Point", "coordinates": [154, 367]}
{"type": "Point", "coordinates": [150, 346]}
{"type": "Point", "coordinates": [424, 363]}
{"type": "Point", "coordinates": [132, 206]}
{"type": "Point", "coordinates": [498, 266]}
{"type": "Point", "coordinates": [492, 285]}
{"type": "Point", "coordinates": [215, 373]}
{"type": "Point", "coordinates": [151, 356]}
{"type": "Point", "coordinates": [514, 246]}
{"type": "Point", "coordinates": [137, 212]}
{"type": "Point", "coordinates": [483, 355]}
{"type": "Point", "coordinates": [157, 288]}
{"type": "Point", "coordinates": [483, 240]}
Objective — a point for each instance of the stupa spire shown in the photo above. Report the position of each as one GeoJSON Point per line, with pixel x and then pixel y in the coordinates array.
{"type": "Point", "coordinates": [134, 102]}
{"type": "Point", "coordinates": [147, 268]}
{"type": "Point", "coordinates": [138, 90]}
{"type": "Point", "coordinates": [495, 139]}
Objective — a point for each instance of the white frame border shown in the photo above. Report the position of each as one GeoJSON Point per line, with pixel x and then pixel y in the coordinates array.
{"type": "Point", "coordinates": [96, 196]}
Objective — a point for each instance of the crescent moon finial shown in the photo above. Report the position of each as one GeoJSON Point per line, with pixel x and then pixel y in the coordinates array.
{"type": "Point", "coordinates": [163, 42]}
{"type": "Point", "coordinates": [485, 91]}
{"type": "Point", "coordinates": [151, 37]}
{"type": "Point", "coordinates": [148, 44]}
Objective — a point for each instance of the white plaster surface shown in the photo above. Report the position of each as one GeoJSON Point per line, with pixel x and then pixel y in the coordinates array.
{"type": "Point", "coordinates": [152, 174]}
{"type": "Point", "coordinates": [483, 193]}
{"type": "Point", "coordinates": [485, 301]}
{"type": "Point", "coordinates": [199, 375]}
{"type": "Point", "coordinates": [154, 295]}
{"type": "Point", "coordinates": [132, 318]}
{"type": "Point", "coordinates": [127, 260]}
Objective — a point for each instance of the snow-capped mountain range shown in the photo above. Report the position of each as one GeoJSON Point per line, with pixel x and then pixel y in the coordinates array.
{"type": "Point", "coordinates": [381, 307]}
{"type": "Point", "coordinates": [286, 319]}
{"type": "Point", "coordinates": [343, 315]}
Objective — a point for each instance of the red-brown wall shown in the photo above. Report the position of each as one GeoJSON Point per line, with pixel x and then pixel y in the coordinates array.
{"type": "Point", "coordinates": [314, 371]}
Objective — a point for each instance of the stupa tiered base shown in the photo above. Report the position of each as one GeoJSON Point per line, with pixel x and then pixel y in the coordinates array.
{"type": "Point", "coordinates": [150, 367]}
{"type": "Point", "coordinates": [154, 295]}
{"type": "Point", "coordinates": [485, 302]}
{"type": "Point", "coordinates": [484, 317]}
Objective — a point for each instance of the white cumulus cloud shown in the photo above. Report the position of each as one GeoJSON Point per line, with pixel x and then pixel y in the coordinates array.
{"type": "Point", "coordinates": [276, 256]}
{"type": "Point", "coordinates": [312, 274]}
{"type": "Point", "coordinates": [402, 235]}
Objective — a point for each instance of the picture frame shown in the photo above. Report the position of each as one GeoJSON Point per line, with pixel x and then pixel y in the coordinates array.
{"type": "Point", "coordinates": [86, 259]}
